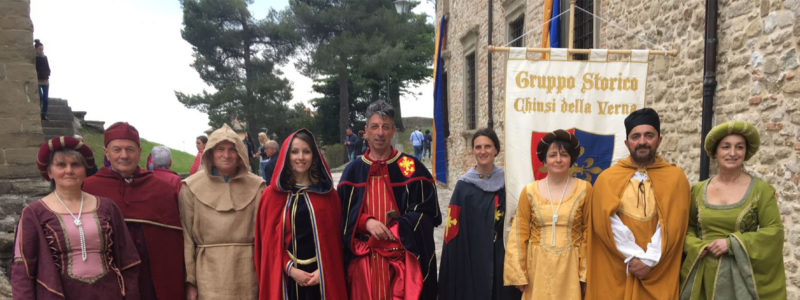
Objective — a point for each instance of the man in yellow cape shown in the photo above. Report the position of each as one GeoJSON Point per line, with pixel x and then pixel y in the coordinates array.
{"type": "Point", "coordinates": [637, 220]}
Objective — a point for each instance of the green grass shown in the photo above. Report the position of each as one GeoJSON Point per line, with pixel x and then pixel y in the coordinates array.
{"type": "Point", "coordinates": [181, 161]}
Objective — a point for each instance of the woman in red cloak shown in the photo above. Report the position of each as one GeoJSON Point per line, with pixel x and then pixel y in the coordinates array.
{"type": "Point", "coordinates": [298, 248]}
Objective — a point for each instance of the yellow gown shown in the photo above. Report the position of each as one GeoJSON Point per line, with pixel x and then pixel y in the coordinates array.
{"type": "Point", "coordinates": [549, 262]}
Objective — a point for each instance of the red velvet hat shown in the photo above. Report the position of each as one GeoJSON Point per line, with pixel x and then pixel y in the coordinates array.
{"type": "Point", "coordinates": [121, 131]}
{"type": "Point", "coordinates": [61, 142]}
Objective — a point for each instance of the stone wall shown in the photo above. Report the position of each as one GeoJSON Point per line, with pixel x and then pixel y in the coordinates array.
{"type": "Point", "coordinates": [757, 73]}
{"type": "Point", "coordinates": [20, 127]}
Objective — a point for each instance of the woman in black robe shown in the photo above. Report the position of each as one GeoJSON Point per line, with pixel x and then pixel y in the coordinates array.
{"type": "Point", "coordinates": [473, 251]}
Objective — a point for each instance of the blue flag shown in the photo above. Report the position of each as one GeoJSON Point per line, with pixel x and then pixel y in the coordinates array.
{"type": "Point", "coordinates": [555, 28]}
{"type": "Point", "coordinates": [439, 146]}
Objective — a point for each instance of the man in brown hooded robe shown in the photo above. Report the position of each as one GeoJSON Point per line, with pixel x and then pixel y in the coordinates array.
{"type": "Point", "coordinates": [218, 205]}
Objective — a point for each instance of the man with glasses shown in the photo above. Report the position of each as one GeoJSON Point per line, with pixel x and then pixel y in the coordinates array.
{"type": "Point", "coordinates": [637, 220]}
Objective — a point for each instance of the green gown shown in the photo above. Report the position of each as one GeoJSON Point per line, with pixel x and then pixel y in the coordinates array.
{"type": "Point", "coordinates": [753, 267]}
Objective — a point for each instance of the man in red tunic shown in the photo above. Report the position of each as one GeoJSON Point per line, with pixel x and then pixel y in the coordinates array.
{"type": "Point", "coordinates": [150, 208]}
{"type": "Point", "coordinates": [389, 207]}
{"type": "Point", "coordinates": [162, 161]}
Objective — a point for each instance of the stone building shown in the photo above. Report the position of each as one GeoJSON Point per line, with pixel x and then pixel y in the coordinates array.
{"type": "Point", "coordinates": [20, 126]}
{"type": "Point", "coordinates": [757, 74]}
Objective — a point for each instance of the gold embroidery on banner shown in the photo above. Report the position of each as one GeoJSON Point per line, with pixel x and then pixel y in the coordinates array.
{"type": "Point", "coordinates": [586, 169]}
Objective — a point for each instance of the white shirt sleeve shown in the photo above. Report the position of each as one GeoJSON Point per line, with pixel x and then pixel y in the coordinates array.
{"type": "Point", "coordinates": [626, 243]}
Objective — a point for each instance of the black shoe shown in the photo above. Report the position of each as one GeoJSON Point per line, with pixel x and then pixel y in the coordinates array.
{"type": "Point", "coordinates": [44, 118]}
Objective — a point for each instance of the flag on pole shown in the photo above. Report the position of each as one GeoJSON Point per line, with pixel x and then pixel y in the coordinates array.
{"type": "Point", "coordinates": [555, 25]}
{"type": "Point", "coordinates": [551, 33]}
{"type": "Point", "coordinates": [439, 146]}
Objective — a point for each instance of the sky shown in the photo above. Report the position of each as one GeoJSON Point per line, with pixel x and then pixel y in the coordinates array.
{"type": "Point", "coordinates": [123, 60]}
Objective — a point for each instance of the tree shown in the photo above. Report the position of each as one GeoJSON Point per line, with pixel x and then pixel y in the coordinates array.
{"type": "Point", "coordinates": [238, 56]}
{"type": "Point", "coordinates": [363, 44]}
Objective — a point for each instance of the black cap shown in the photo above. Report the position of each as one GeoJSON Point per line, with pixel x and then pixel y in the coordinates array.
{"type": "Point", "coordinates": [644, 116]}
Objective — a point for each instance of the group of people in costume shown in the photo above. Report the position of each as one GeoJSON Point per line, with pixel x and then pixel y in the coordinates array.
{"type": "Point", "coordinates": [639, 232]}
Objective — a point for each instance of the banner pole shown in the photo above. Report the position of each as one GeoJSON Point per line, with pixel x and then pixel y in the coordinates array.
{"type": "Point", "coordinates": [672, 52]}
{"type": "Point", "coordinates": [571, 29]}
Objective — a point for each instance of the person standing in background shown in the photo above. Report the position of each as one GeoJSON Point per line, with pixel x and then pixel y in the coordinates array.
{"type": "Point", "coordinates": [350, 140]}
{"type": "Point", "coordinates": [43, 74]}
{"type": "Point", "coordinates": [270, 150]}
{"type": "Point", "coordinates": [427, 147]}
{"type": "Point", "coordinates": [200, 142]}
{"type": "Point", "coordinates": [162, 161]}
{"type": "Point", "coordinates": [417, 140]}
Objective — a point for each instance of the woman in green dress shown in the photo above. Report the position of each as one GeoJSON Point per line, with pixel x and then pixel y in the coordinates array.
{"type": "Point", "coordinates": [734, 245]}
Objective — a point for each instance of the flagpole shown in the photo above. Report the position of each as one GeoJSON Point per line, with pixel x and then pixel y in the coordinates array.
{"type": "Point", "coordinates": [571, 29]}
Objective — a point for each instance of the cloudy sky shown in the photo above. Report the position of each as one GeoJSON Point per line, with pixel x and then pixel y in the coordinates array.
{"type": "Point", "coordinates": [122, 60]}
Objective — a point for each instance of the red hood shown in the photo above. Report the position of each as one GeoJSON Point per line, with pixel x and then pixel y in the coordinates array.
{"type": "Point", "coordinates": [326, 181]}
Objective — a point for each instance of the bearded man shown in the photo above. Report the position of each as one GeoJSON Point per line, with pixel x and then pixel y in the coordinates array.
{"type": "Point", "coordinates": [637, 220]}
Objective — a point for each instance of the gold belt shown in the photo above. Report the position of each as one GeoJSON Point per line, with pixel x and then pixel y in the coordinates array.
{"type": "Point", "coordinates": [302, 262]}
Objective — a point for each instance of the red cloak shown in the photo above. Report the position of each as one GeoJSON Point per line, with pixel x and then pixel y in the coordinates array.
{"type": "Point", "coordinates": [152, 205]}
{"type": "Point", "coordinates": [270, 255]}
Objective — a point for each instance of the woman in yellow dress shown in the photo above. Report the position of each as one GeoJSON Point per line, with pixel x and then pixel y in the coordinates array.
{"type": "Point", "coordinates": [546, 246]}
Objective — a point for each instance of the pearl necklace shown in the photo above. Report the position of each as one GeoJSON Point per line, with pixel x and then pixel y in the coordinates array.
{"type": "Point", "coordinates": [78, 223]}
{"type": "Point", "coordinates": [555, 211]}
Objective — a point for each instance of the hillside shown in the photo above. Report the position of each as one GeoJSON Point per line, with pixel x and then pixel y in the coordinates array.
{"type": "Point", "coordinates": [181, 161]}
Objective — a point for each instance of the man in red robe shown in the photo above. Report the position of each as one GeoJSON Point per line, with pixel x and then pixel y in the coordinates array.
{"type": "Point", "coordinates": [389, 207]}
{"type": "Point", "coordinates": [150, 208]}
{"type": "Point", "coordinates": [162, 161]}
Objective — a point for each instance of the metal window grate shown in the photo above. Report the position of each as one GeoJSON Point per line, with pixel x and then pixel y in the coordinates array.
{"type": "Point", "coordinates": [517, 29]}
{"type": "Point", "coordinates": [584, 28]}
{"type": "Point", "coordinates": [470, 100]}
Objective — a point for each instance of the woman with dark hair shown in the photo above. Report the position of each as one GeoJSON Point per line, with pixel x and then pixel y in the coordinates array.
{"type": "Point", "coordinates": [473, 252]}
{"type": "Point", "coordinates": [734, 244]}
{"type": "Point", "coordinates": [200, 143]}
{"type": "Point", "coordinates": [71, 244]}
{"type": "Point", "coordinates": [298, 250]}
{"type": "Point", "coordinates": [545, 257]}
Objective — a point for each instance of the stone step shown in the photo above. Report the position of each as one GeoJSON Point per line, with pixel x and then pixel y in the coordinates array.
{"type": "Point", "coordinates": [97, 125]}
{"type": "Point", "coordinates": [51, 132]}
{"type": "Point", "coordinates": [56, 101]}
{"type": "Point", "coordinates": [58, 110]}
{"type": "Point", "coordinates": [61, 116]}
{"type": "Point", "coordinates": [56, 123]}
{"type": "Point", "coordinates": [79, 114]}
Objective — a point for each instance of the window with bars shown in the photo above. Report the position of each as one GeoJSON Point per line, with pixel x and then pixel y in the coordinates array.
{"type": "Point", "coordinates": [584, 27]}
{"type": "Point", "coordinates": [515, 29]}
{"type": "Point", "coordinates": [469, 109]}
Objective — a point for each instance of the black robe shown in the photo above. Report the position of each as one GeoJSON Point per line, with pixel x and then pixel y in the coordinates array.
{"type": "Point", "coordinates": [473, 251]}
{"type": "Point", "coordinates": [415, 195]}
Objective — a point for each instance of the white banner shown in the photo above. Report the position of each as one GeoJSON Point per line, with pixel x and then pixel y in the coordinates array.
{"type": "Point", "coordinates": [589, 98]}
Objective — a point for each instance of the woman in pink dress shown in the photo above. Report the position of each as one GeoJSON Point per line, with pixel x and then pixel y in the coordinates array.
{"type": "Point", "coordinates": [70, 244]}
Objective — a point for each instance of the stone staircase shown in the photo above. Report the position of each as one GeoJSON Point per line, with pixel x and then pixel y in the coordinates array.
{"type": "Point", "coordinates": [61, 120]}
